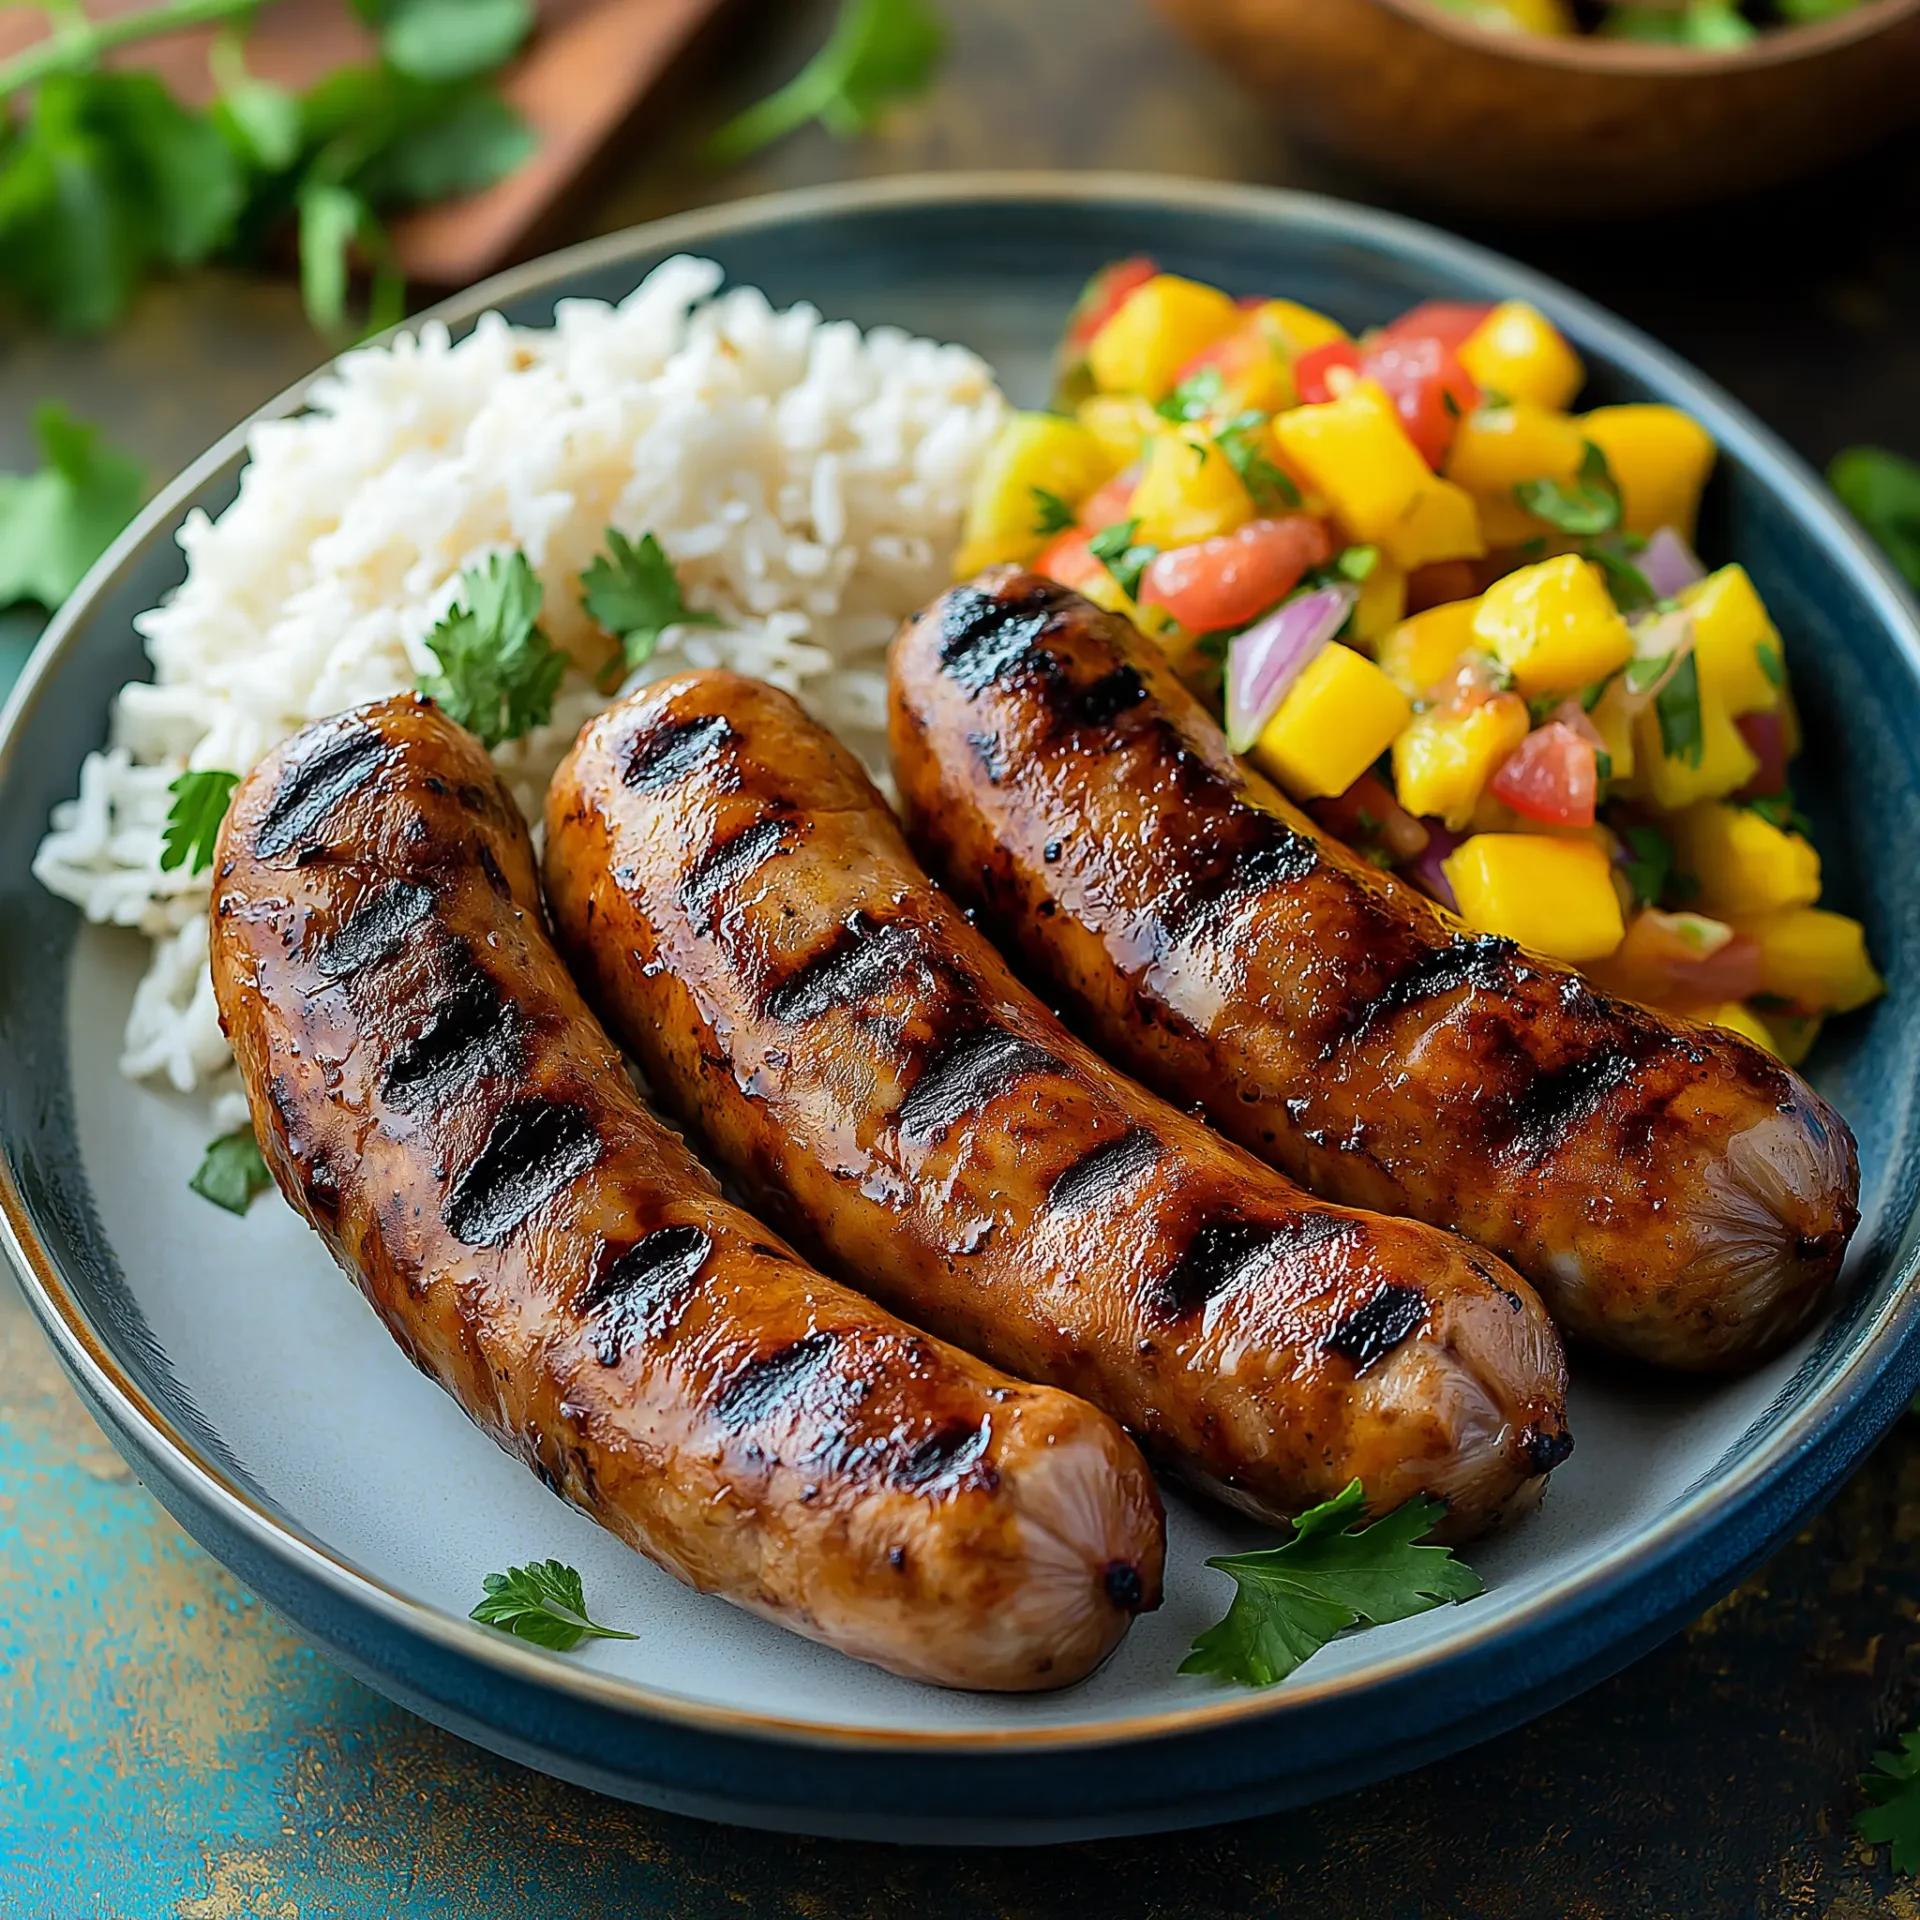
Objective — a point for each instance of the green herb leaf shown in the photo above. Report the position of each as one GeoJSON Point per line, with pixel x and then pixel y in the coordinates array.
{"type": "Point", "coordinates": [544, 1602]}
{"type": "Point", "coordinates": [331, 218]}
{"type": "Point", "coordinates": [1882, 491]}
{"type": "Point", "coordinates": [1682, 729]}
{"type": "Point", "coordinates": [1894, 1788]}
{"type": "Point", "coordinates": [1649, 865]}
{"type": "Point", "coordinates": [1586, 506]}
{"type": "Point", "coordinates": [1356, 563]}
{"type": "Point", "coordinates": [451, 39]}
{"type": "Point", "coordinates": [1780, 810]}
{"type": "Point", "coordinates": [54, 524]}
{"type": "Point", "coordinates": [1646, 672]}
{"type": "Point", "coordinates": [1051, 514]}
{"type": "Point", "coordinates": [1613, 554]}
{"type": "Point", "coordinates": [451, 142]}
{"type": "Point", "coordinates": [1292, 1599]}
{"type": "Point", "coordinates": [231, 1171]}
{"type": "Point", "coordinates": [200, 801]}
{"type": "Point", "coordinates": [635, 595]}
{"type": "Point", "coordinates": [879, 51]}
{"type": "Point", "coordinates": [1240, 441]}
{"type": "Point", "coordinates": [1705, 24]}
{"type": "Point", "coordinates": [261, 120]}
{"type": "Point", "coordinates": [498, 670]}
{"type": "Point", "coordinates": [1771, 663]}
{"type": "Point", "coordinates": [1114, 548]}
{"type": "Point", "coordinates": [1194, 398]}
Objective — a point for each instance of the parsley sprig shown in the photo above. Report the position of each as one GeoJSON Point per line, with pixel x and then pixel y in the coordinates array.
{"type": "Point", "coordinates": [1240, 440]}
{"type": "Point", "coordinates": [1584, 506]}
{"type": "Point", "coordinates": [879, 51]}
{"type": "Point", "coordinates": [54, 524]}
{"type": "Point", "coordinates": [1894, 1788]}
{"type": "Point", "coordinates": [232, 1171]}
{"type": "Point", "coordinates": [1116, 550]}
{"type": "Point", "coordinates": [633, 592]}
{"type": "Point", "coordinates": [498, 670]}
{"type": "Point", "coordinates": [1291, 1600]}
{"type": "Point", "coordinates": [544, 1602]}
{"type": "Point", "coordinates": [1051, 514]}
{"type": "Point", "coordinates": [200, 801]}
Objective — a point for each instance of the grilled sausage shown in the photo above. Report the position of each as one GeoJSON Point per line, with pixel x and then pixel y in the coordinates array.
{"type": "Point", "coordinates": [432, 1094]}
{"type": "Point", "coordinates": [736, 898]}
{"type": "Point", "coordinates": [1673, 1191]}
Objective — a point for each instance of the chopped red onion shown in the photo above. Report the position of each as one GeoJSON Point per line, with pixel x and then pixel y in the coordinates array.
{"type": "Point", "coordinates": [1669, 564]}
{"type": "Point", "coordinates": [1427, 873]}
{"type": "Point", "coordinates": [1265, 660]}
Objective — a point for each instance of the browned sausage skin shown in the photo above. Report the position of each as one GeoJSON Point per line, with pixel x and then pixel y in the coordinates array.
{"type": "Point", "coordinates": [737, 899]}
{"type": "Point", "coordinates": [1673, 1191]}
{"type": "Point", "coordinates": [433, 1095]}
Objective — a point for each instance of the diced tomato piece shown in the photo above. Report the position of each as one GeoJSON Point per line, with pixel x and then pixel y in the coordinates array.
{"type": "Point", "coordinates": [1429, 387]}
{"type": "Point", "coordinates": [1448, 321]}
{"type": "Point", "coordinates": [1310, 370]}
{"type": "Point", "coordinates": [1551, 776]}
{"type": "Point", "coordinates": [1684, 959]}
{"type": "Point", "coordinates": [1766, 735]}
{"type": "Point", "coordinates": [1226, 581]}
{"type": "Point", "coordinates": [1071, 561]}
{"type": "Point", "coordinates": [1440, 583]}
{"type": "Point", "coordinates": [1106, 505]}
{"type": "Point", "coordinates": [1368, 814]}
{"type": "Point", "coordinates": [1102, 297]}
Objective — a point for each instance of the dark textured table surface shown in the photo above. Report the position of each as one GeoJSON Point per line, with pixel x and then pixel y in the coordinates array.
{"type": "Point", "coordinates": [168, 1749]}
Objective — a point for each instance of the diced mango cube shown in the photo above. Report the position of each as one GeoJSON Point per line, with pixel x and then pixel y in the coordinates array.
{"type": "Point", "coordinates": [1517, 351]}
{"type": "Point", "coordinates": [1554, 626]}
{"type": "Point", "coordinates": [1672, 781]}
{"type": "Point", "coordinates": [1613, 718]}
{"type": "Point", "coordinates": [1496, 448]}
{"type": "Point", "coordinates": [1120, 422]}
{"type": "Point", "coordinates": [1814, 959]}
{"type": "Point", "coordinates": [1736, 646]}
{"type": "Point", "coordinates": [1737, 1017]}
{"type": "Point", "coordinates": [1424, 649]}
{"type": "Point", "coordinates": [1338, 718]}
{"type": "Point", "coordinates": [1355, 452]}
{"type": "Point", "coordinates": [1442, 760]}
{"type": "Point", "coordinates": [1295, 329]}
{"type": "Point", "coordinates": [1660, 456]}
{"type": "Point", "coordinates": [1188, 490]}
{"type": "Point", "coordinates": [1742, 863]}
{"type": "Point", "coordinates": [1159, 327]}
{"type": "Point", "coordinates": [1382, 604]}
{"type": "Point", "coordinates": [1552, 895]}
{"type": "Point", "coordinates": [1033, 452]}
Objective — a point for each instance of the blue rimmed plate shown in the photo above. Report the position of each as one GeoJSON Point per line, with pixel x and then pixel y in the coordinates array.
{"type": "Point", "coordinates": [264, 1405]}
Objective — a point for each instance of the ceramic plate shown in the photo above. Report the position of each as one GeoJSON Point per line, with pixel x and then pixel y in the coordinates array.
{"type": "Point", "coordinates": [257, 1396]}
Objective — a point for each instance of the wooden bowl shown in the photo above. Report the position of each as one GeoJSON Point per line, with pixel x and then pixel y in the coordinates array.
{"type": "Point", "coordinates": [1526, 123]}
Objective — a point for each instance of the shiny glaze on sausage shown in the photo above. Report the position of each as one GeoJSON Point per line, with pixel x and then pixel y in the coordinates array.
{"type": "Point", "coordinates": [738, 901]}
{"type": "Point", "coordinates": [1672, 1190]}
{"type": "Point", "coordinates": [432, 1093]}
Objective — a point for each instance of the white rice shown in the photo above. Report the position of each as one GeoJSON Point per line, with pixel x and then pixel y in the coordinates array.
{"type": "Point", "coordinates": [806, 480]}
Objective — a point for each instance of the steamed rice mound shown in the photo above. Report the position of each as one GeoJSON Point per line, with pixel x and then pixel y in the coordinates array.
{"type": "Point", "coordinates": [807, 481]}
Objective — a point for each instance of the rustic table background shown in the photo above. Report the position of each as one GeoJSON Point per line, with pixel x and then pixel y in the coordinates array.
{"type": "Point", "coordinates": [170, 1751]}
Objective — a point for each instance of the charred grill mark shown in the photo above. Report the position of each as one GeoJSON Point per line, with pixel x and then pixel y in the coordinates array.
{"type": "Point", "coordinates": [1483, 961]}
{"type": "Point", "coordinates": [863, 958]}
{"type": "Point", "coordinates": [944, 1454]}
{"type": "Point", "coordinates": [535, 1149]}
{"type": "Point", "coordinates": [1101, 1172]}
{"type": "Point", "coordinates": [315, 784]}
{"type": "Point", "coordinates": [1221, 1256]}
{"type": "Point", "coordinates": [472, 1032]}
{"type": "Point", "coordinates": [1101, 704]}
{"type": "Point", "coordinates": [1552, 1106]}
{"type": "Point", "coordinates": [1545, 1450]}
{"type": "Point", "coordinates": [374, 931]}
{"type": "Point", "coordinates": [963, 1076]}
{"type": "Point", "coordinates": [1252, 852]}
{"type": "Point", "coordinates": [664, 755]}
{"type": "Point", "coordinates": [983, 639]}
{"type": "Point", "coordinates": [1367, 1335]}
{"type": "Point", "coordinates": [761, 1385]}
{"type": "Point", "coordinates": [639, 1292]}
{"type": "Point", "coordinates": [724, 865]}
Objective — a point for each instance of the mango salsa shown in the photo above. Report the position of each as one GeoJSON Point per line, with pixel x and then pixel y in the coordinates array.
{"type": "Point", "coordinates": [1421, 652]}
{"type": "Point", "coordinates": [1442, 761]}
{"type": "Point", "coordinates": [1160, 327]}
{"type": "Point", "coordinates": [1120, 422]}
{"type": "Point", "coordinates": [1553, 626]}
{"type": "Point", "coordinates": [1035, 454]}
{"type": "Point", "coordinates": [1738, 649]}
{"type": "Point", "coordinates": [1660, 458]}
{"type": "Point", "coordinates": [1499, 447]}
{"type": "Point", "coordinates": [1338, 718]}
{"type": "Point", "coordinates": [1814, 960]}
{"type": "Point", "coordinates": [1719, 762]}
{"type": "Point", "coordinates": [1737, 1017]}
{"type": "Point", "coordinates": [1742, 863]}
{"type": "Point", "coordinates": [1188, 490]}
{"type": "Point", "coordinates": [1519, 353]}
{"type": "Point", "coordinates": [1553, 896]}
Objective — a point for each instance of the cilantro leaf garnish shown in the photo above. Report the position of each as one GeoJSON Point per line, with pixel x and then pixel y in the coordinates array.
{"type": "Point", "coordinates": [1649, 866]}
{"type": "Point", "coordinates": [1051, 513]}
{"type": "Point", "coordinates": [1239, 440]}
{"type": "Point", "coordinates": [1677, 704]}
{"type": "Point", "coordinates": [448, 39]}
{"type": "Point", "coordinates": [1193, 399]}
{"type": "Point", "coordinates": [1588, 505]}
{"type": "Point", "coordinates": [1114, 548]}
{"type": "Point", "coordinates": [634, 593]}
{"type": "Point", "coordinates": [1882, 491]}
{"type": "Point", "coordinates": [879, 51]}
{"type": "Point", "coordinates": [544, 1602]}
{"type": "Point", "coordinates": [1894, 1788]}
{"type": "Point", "coordinates": [1770, 663]}
{"type": "Point", "coordinates": [231, 1171]}
{"type": "Point", "coordinates": [1647, 671]}
{"type": "Point", "coordinates": [498, 670]}
{"type": "Point", "coordinates": [193, 821]}
{"type": "Point", "coordinates": [1780, 810]}
{"type": "Point", "coordinates": [1356, 563]}
{"type": "Point", "coordinates": [1292, 1599]}
{"type": "Point", "coordinates": [56, 523]}
{"type": "Point", "coordinates": [1613, 553]}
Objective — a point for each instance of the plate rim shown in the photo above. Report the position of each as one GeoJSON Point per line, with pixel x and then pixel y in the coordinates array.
{"type": "Point", "coordinates": [1695, 1518]}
